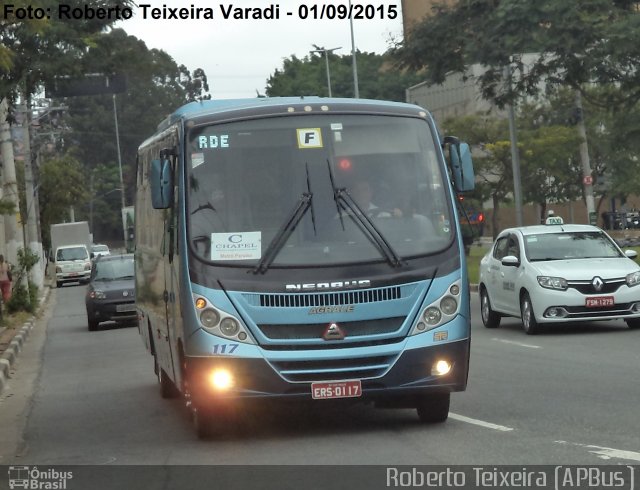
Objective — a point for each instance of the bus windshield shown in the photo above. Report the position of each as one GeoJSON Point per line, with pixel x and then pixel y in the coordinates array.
{"type": "Point", "coordinates": [247, 180]}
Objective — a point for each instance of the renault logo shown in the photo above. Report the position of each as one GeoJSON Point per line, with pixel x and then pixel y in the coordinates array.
{"type": "Point", "coordinates": [333, 332]}
{"type": "Point", "coordinates": [597, 283]}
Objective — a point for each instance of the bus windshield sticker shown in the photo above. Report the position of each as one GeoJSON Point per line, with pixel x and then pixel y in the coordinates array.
{"type": "Point", "coordinates": [236, 246]}
{"type": "Point", "coordinates": [197, 159]}
{"type": "Point", "coordinates": [336, 126]}
{"type": "Point", "coordinates": [213, 141]}
{"type": "Point", "coordinates": [309, 138]}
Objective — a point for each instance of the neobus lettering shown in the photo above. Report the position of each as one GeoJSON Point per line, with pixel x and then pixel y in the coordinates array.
{"type": "Point", "coordinates": [328, 285]}
{"type": "Point", "coordinates": [213, 141]}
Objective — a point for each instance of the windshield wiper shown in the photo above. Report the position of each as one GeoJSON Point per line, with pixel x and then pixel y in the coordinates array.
{"type": "Point", "coordinates": [344, 202]}
{"type": "Point", "coordinates": [285, 231]}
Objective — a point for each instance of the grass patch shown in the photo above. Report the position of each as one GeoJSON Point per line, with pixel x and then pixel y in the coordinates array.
{"type": "Point", "coordinates": [473, 262]}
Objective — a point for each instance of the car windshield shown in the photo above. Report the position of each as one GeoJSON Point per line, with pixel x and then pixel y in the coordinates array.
{"type": "Point", "coordinates": [247, 180]}
{"type": "Point", "coordinates": [569, 245]}
{"type": "Point", "coordinates": [100, 248]}
{"type": "Point", "coordinates": [110, 270]}
{"type": "Point", "coordinates": [73, 253]}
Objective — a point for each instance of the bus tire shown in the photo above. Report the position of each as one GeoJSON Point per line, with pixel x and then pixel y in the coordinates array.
{"type": "Point", "coordinates": [490, 318]}
{"type": "Point", "coordinates": [93, 325]}
{"type": "Point", "coordinates": [167, 387]}
{"type": "Point", "coordinates": [434, 409]}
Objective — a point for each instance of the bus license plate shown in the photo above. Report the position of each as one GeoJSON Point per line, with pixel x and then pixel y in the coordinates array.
{"type": "Point", "coordinates": [336, 389]}
{"type": "Point", "coordinates": [598, 301]}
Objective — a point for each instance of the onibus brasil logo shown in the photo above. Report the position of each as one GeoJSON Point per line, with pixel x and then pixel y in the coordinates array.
{"type": "Point", "coordinates": [32, 478]}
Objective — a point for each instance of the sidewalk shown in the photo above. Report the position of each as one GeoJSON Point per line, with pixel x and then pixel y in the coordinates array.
{"type": "Point", "coordinates": [10, 346]}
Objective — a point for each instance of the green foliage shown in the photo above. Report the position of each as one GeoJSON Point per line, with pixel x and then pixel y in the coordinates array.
{"type": "Point", "coordinates": [62, 185]}
{"type": "Point", "coordinates": [377, 77]}
{"type": "Point", "coordinates": [576, 42]}
{"type": "Point", "coordinates": [20, 300]}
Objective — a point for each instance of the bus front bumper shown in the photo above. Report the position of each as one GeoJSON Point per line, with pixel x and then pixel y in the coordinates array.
{"type": "Point", "coordinates": [409, 377]}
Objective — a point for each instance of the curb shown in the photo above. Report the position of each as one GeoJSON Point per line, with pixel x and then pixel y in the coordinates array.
{"type": "Point", "coordinates": [9, 356]}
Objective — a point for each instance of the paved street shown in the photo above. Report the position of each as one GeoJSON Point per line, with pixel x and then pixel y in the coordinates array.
{"type": "Point", "coordinates": [567, 396]}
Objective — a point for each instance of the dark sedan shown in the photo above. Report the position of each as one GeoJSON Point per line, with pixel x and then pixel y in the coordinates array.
{"type": "Point", "coordinates": [111, 292]}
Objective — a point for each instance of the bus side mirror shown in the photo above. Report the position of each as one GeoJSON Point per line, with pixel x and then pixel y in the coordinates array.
{"type": "Point", "coordinates": [461, 165]}
{"type": "Point", "coordinates": [161, 184]}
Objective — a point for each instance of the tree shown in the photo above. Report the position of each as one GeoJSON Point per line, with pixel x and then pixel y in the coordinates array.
{"type": "Point", "coordinates": [377, 77]}
{"type": "Point", "coordinates": [62, 185]}
{"type": "Point", "coordinates": [577, 42]}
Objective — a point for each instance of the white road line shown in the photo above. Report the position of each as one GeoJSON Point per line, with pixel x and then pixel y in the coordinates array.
{"type": "Point", "coordinates": [481, 423]}
{"type": "Point", "coordinates": [606, 452]}
{"type": "Point", "coordinates": [519, 344]}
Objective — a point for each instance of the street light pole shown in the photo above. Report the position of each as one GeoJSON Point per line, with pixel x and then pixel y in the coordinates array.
{"type": "Point", "coordinates": [124, 225]}
{"type": "Point", "coordinates": [354, 64]}
{"type": "Point", "coordinates": [326, 59]}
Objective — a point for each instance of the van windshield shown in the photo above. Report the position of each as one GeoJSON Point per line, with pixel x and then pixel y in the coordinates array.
{"type": "Point", "coordinates": [72, 253]}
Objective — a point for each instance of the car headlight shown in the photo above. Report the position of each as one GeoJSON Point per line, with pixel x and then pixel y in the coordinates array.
{"type": "Point", "coordinates": [633, 279]}
{"type": "Point", "coordinates": [553, 282]}
{"type": "Point", "coordinates": [97, 294]}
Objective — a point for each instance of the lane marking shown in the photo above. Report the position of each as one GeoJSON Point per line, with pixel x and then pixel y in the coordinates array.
{"type": "Point", "coordinates": [519, 344]}
{"type": "Point", "coordinates": [481, 423]}
{"type": "Point", "coordinates": [606, 452]}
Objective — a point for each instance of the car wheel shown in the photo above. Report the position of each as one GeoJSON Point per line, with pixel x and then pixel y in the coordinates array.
{"type": "Point", "coordinates": [490, 318]}
{"type": "Point", "coordinates": [434, 409]}
{"type": "Point", "coordinates": [167, 387]}
{"type": "Point", "coordinates": [633, 323]}
{"type": "Point", "coordinates": [58, 284]}
{"type": "Point", "coordinates": [529, 322]}
{"type": "Point", "coordinates": [93, 325]}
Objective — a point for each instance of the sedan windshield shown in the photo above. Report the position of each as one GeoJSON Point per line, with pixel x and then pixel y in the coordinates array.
{"type": "Point", "coordinates": [576, 245]}
{"type": "Point", "coordinates": [279, 186]}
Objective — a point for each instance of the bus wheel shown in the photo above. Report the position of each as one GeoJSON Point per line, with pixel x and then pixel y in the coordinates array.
{"type": "Point", "coordinates": [434, 409]}
{"type": "Point", "coordinates": [204, 422]}
{"type": "Point", "coordinates": [167, 387]}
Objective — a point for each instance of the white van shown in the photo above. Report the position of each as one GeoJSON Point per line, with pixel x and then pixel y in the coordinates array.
{"type": "Point", "coordinates": [72, 264]}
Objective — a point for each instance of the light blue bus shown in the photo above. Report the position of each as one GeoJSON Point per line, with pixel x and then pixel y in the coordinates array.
{"type": "Point", "coordinates": [303, 249]}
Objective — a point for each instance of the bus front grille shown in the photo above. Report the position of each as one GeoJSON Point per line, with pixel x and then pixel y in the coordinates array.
{"type": "Point", "coordinates": [302, 300]}
{"type": "Point", "coordinates": [334, 369]}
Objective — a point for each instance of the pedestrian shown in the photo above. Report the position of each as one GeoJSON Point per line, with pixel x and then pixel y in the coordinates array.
{"type": "Point", "coordinates": [5, 279]}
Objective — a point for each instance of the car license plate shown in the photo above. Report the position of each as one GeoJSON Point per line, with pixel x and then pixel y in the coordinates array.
{"type": "Point", "coordinates": [128, 307]}
{"type": "Point", "coordinates": [73, 274]}
{"type": "Point", "coordinates": [597, 301]}
{"type": "Point", "coordinates": [336, 389]}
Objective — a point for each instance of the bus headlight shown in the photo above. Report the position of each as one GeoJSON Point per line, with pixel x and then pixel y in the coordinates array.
{"type": "Point", "coordinates": [440, 311]}
{"type": "Point", "coordinates": [210, 318]}
{"type": "Point", "coordinates": [218, 322]}
{"type": "Point", "coordinates": [229, 327]}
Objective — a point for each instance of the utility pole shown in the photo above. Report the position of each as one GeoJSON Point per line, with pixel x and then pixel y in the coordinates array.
{"type": "Point", "coordinates": [354, 63]}
{"type": "Point", "coordinates": [587, 178]}
{"type": "Point", "coordinates": [10, 186]}
{"type": "Point", "coordinates": [515, 156]}
{"type": "Point", "coordinates": [124, 222]}
{"type": "Point", "coordinates": [326, 60]}
{"type": "Point", "coordinates": [36, 273]}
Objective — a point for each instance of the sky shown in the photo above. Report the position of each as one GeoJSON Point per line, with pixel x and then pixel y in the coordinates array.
{"type": "Point", "coordinates": [238, 56]}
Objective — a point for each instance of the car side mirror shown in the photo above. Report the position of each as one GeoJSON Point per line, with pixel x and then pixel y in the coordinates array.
{"type": "Point", "coordinates": [510, 261]}
{"type": "Point", "coordinates": [632, 254]}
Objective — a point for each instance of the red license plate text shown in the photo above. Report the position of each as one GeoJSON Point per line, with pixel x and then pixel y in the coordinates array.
{"type": "Point", "coordinates": [599, 301]}
{"type": "Point", "coordinates": [336, 389]}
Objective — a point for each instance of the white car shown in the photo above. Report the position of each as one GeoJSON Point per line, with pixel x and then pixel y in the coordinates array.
{"type": "Point", "coordinates": [558, 273]}
{"type": "Point", "coordinates": [98, 250]}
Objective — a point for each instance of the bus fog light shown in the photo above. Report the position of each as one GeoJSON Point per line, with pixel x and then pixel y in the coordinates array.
{"type": "Point", "coordinates": [455, 290]}
{"type": "Point", "coordinates": [432, 315]}
{"type": "Point", "coordinates": [448, 305]}
{"type": "Point", "coordinates": [229, 327]}
{"type": "Point", "coordinates": [209, 318]}
{"type": "Point", "coordinates": [440, 368]}
{"type": "Point", "coordinates": [221, 379]}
